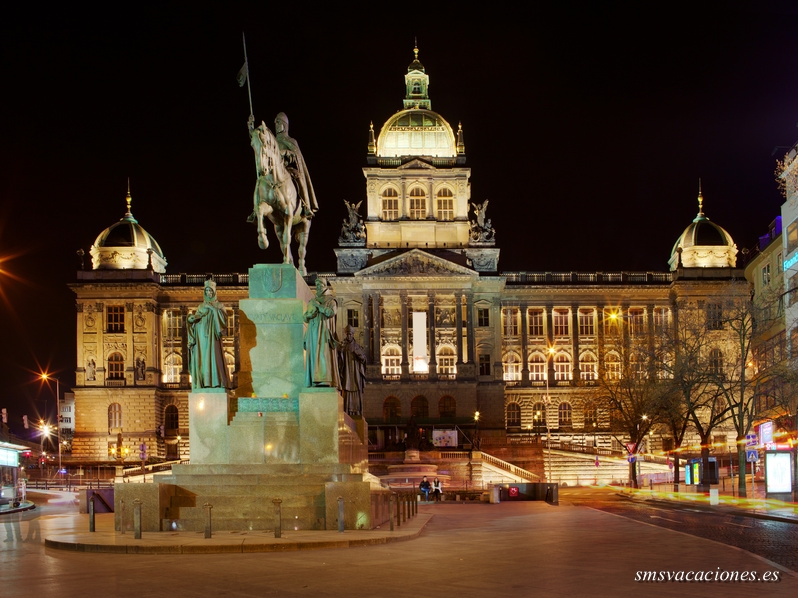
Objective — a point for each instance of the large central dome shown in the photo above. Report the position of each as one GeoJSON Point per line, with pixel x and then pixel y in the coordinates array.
{"type": "Point", "coordinates": [416, 132]}
{"type": "Point", "coordinates": [703, 244]}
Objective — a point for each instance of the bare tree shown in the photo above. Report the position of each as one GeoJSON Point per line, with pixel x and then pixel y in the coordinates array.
{"type": "Point", "coordinates": [693, 347]}
{"type": "Point", "coordinates": [629, 389]}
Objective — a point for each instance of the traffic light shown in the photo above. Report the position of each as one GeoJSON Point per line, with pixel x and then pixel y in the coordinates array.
{"type": "Point", "coordinates": [25, 421]}
{"type": "Point", "coordinates": [5, 415]}
{"type": "Point", "coordinates": [143, 451]}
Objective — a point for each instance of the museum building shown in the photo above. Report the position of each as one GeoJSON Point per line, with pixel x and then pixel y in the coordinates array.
{"type": "Point", "coordinates": [452, 342]}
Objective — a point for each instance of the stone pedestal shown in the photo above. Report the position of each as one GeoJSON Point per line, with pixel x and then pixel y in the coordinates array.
{"type": "Point", "coordinates": [276, 439]}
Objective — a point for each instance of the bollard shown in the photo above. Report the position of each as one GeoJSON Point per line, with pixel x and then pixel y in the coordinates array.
{"type": "Point", "coordinates": [391, 501]}
{"type": "Point", "coordinates": [91, 513]}
{"type": "Point", "coordinates": [208, 530]}
{"type": "Point", "coordinates": [137, 519]}
{"type": "Point", "coordinates": [278, 524]}
{"type": "Point", "coordinates": [122, 523]}
{"type": "Point", "coordinates": [398, 510]}
{"type": "Point", "coordinates": [340, 514]}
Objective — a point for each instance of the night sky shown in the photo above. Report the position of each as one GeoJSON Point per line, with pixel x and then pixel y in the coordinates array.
{"type": "Point", "coordinates": [587, 126]}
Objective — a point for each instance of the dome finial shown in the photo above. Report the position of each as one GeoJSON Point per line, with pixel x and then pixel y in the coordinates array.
{"type": "Point", "coordinates": [415, 48]}
{"type": "Point", "coordinates": [128, 199]}
{"type": "Point", "coordinates": [700, 199]}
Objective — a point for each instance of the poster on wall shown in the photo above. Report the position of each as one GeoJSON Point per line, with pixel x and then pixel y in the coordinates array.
{"type": "Point", "coordinates": [444, 438]}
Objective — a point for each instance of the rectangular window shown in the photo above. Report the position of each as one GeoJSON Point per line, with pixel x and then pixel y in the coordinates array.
{"type": "Point", "coordinates": [660, 318]}
{"type": "Point", "coordinates": [445, 208]}
{"type": "Point", "coordinates": [115, 318]}
{"type": "Point", "coordinates": [792, 236]}
{"type": "Point", "coordinates": [560, 322]}
{"type": "Point", "coordinates": [765, 275]}
{"type": "Point", "coordinates": [484, 364]}
{"type": "Point", "coordinates": [780, 263]}
{"type": "Point", "coordinates": [510, 316]}
{"type": "Point", "coordinates": [714, 312]}
{"type": "Point", "coordinates": [172, 324]}
{"type": "Point", "coordinates": [230, 329]}
{"type": "Point", "coordinates": [586, 323]}
{"type": "Point", "coordinates": [390, 208]}
{"type": "Point", "coordinates": [418, 208]}
{"type": "Point", "coordinates": [353, 318]}
{"type": "Point", "coordinates": [612, 322]}
{"type": "Point", "coordinates": [637, 322]}
{"type": "Point", "coordinates": [483, 316]}
{"type": "Point", "coordinates": [535, 323]}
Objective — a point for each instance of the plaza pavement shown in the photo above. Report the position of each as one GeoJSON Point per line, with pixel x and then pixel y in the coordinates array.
{"type": "Point", "coordinates": [448, 549]}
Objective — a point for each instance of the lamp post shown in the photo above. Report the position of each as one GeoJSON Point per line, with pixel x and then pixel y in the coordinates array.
{"type": "Point", "coordinates": [546, 402]}
{"type": "Point", "coordinates": [45, 429]}
{"type": "Point", "coordinates": [46, 377]}
{"type": "Point", "coordinates": [477, 441]}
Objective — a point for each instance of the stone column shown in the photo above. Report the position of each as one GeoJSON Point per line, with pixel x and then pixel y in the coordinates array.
{"type": "Point", "coordinates": [575, 343]}
{"type": "Point", "coordinates": [376, 301]}
{"type": "Point", "coordinates": [600, 338]}
{"type": "Point", "coordinates": [470, 328]}
{"type": "Point", "coordinates": [524, 346]}
{"type": "Point", "coordinates": [403, 309]}
{"type": "Point", "coordinates": [367, 347]}
{"type": "Point", "coordinates": [433, 362]}
{"type": "Point", "coordinates": [550, 343]}
{"type": "Point", "coordinates": [236, 346]}
{"type": "Point", "coordinates": [184, 381]}
{"type": "Point", "coordinates": [458, 322]}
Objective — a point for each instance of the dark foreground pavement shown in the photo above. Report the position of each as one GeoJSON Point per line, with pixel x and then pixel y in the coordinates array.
{"type": "Point", "coordinates": [465, 549]}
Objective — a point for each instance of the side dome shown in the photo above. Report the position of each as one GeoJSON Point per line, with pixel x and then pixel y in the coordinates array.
{"type": "Point", "coordinates": [416, 132]}
{"type": "Point", "coordinates": [127, 246]}
{"type": "Point", "coordinates": [703, 244]}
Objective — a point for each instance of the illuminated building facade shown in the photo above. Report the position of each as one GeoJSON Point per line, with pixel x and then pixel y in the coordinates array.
{"type": "Point", "coordinates": [446, 333]}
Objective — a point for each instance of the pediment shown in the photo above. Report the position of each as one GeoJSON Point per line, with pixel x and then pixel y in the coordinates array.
{"type": "Point", "coordinates": [416, 164]}
{"type": "Point", "coordinates": [416, 262]}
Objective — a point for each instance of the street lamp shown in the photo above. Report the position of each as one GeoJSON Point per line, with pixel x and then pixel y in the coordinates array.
{"type": "Point", "coordinates": [547, 401]}
{"type": "Point", "coordinates": [45, 429]}
{"type": "Point", "coordinates": [476, 442]}
{"type": "Point", "coordinates": [47, 377]}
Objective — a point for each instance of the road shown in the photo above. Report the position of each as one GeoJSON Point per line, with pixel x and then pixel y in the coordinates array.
{"type": "Point", "coordinates": [772, 540]}
{"type": "Point", "coordinates": [593, 544]}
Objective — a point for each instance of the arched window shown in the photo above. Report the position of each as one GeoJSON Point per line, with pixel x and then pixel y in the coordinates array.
{"type": "Point", "coordinates": [446, 361]}
{"type": "Point", "coordinates": [564, 414]}
{"type": "Point", "coordinates": [390, 204]}
{"type": "Point", "coordinates": [419, 407]}
{"type": "Point", "coordinates": [391, 361]}
{"type": "Point", "coordinates": [587, 367]}
{"type": "Point", "coordinates": [512, 366]}
{"type": "Point", "coordinates": [447, 406]}
{"type": "Point", "coordinates": [539, 416]}
{"type": "Point", "coordinates": [171, 420]}
{"type": "Point", "coordinates": [445, 207]}
{"type": "Point", "coordinates": [537, 367]}
{"type": "Point", "coordinates": [513, 415]}
{"type": "Point", "coordinates": [716, 362]}
{"type": "Point", "coordinates": [418, 204]}
{"type": "Point", "coordinates": [116, 366]}
{"type": "Point", "coordinates": [391, 410]}
{"type": "Point", "coordinates": [173, 364]}
{"type": "Point", "coordinates": [114, 416]}
{"type": "Point", "coordinates": [612, 366]}
{"type": "Point", "coordinates": [562, 366]}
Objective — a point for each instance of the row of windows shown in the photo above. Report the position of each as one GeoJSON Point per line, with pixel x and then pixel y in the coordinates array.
{"type": "Point", "coordinates": [538, 416]}
{"type": "Point", "coordinates": [171, 417]}
{"type": "Point", "coordinates": [419, 408]}
{"type": "Point", "coordinates": [417, 204]}
{"type": "Point", "coordinates": [538, 366]}
{"type": "Point", "coordinates": [561, 321]}
{"type": "Point", "coordinates": [392, 361]}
